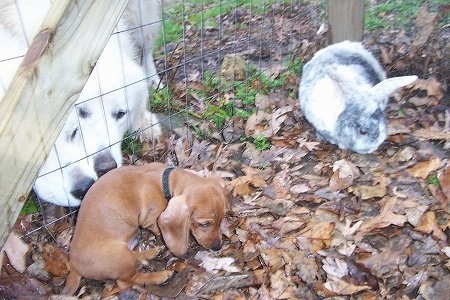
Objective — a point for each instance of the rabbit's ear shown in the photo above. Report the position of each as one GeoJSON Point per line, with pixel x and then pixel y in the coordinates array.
{"type": "Point", "coordinates": [385, 88]}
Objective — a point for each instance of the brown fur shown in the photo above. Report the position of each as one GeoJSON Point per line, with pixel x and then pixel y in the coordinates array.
{"type": "Point", "coordinates": [130, 197]}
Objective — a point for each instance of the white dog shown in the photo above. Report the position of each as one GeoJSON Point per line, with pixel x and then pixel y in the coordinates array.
{"type": "Point", "coordinates": [113, 101]}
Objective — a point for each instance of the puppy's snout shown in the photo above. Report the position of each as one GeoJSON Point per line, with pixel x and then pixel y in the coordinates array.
{"type": "Point", "coordinates": [104, 162]}
{"type": "Point", "coordinates": [216, 245]}
{"type": "Point", "coordinates": [81, 188]}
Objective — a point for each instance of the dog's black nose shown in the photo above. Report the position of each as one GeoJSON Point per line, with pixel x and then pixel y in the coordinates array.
{"type": "Point", "coordinates": [104, 162]}
{"type": "Point", "coordinates": [81, 188]}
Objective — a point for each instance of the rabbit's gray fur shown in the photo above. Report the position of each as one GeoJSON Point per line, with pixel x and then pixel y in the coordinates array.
{"type": "Point", "coordinates": [343, 93]}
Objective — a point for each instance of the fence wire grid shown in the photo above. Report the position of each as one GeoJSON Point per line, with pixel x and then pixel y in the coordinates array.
{"type": "Point", "coordinates": [213, 58]}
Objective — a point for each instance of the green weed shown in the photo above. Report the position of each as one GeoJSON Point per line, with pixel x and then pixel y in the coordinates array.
{"type": "Point", "coordinates": [131, 144]}
{"type": "Point", "coordinates": [433, 180]}
{"type": "Point", "coordinates": [29, 207]}
{"type": "Point", "coordinates": [160, 100]}
{"type": "Point", "coordinates": [397, 13]}
{"type": "Point", "coordinates": [401, 114]}
{"type": "Point", "coordinates": [245, 93]}
{"type": "Point", "coordinates": [203, 14]}
{"type": "Point", "coordinates": [261, 143]}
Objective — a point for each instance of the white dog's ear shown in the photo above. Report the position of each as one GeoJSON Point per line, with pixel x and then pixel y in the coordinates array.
{"type": "Point", "coordinates": [174, 225]}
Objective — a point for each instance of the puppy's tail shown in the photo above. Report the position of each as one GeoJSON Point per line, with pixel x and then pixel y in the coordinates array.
{"type": "Point", "coordinates": [72, 283]}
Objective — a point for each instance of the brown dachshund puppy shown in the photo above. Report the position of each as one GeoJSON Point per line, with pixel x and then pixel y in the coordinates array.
{"type": "Point", "coordinates": [130, 197]}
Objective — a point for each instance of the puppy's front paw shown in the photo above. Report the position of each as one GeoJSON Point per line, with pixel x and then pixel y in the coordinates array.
{"type": "Point", "coordinates": [162, 276]}
{"type": "Point", "coordinates": [144, 256]}
{"type": "Point", "coordinates": [155, 251]}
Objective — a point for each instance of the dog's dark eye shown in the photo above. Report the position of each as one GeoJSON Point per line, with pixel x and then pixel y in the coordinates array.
{"type": "Point", "coordinates": [73, 134]}
{"type": "Point", "coordinates": [119, 114]}
{"type": "Point", "coordinates": [83, 113]}
{"type": "Point", "coordinates": [362, 131]}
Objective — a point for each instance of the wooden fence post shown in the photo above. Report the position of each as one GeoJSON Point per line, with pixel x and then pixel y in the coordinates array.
{"type": "Point", "coordinates": [345, 20]}
{"type": "Point", "coordinates": [48, 82]}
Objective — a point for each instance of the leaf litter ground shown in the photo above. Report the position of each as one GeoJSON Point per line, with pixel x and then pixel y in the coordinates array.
{"type": "Point", "coordinates": [308, 221]}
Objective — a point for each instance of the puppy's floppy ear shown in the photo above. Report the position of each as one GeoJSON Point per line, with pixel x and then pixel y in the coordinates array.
{"type": "Point", "coordinates": [174, 225]}
{"type": "Point", "coordinates": [225, 188]}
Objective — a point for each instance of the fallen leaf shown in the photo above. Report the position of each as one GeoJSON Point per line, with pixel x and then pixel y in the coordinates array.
{"type": "Point", "coordinates": [437, 290]}
{"type": "Point", "coordinates": [241, 189]}
{"type": "Point", "coordinates": [278, 117]}
{"type": "Point", "coordinates": [423, 169]}
{"type": "Point", "coordinates": [257, 123]}
{"type": "Point", "coordinates": [37, 270]}
{"type": "Point", "coordinates": [17, 286]}
{"type": "Point", "coordinates": [334, 267]}
{"type": "Point", "coordinates": [397, 126]}
{"type": "Point", "coordinates": [281, 185]}
{"type": "Point", "coordinates": [444, 181]}
{"type": "Point", "coordinates": [377, 190]}
{"type": "Point", "coordinates": [262, 101]}
{"type": "Point", "coordinates": [342, 287]}
{"type": "Point", "coordinates": [428, 224]}
{"type": "Point", "coordinates": [194, 76]}
{"type": "Point", "coordinates": [311, 146]}
{"type": "Point", "coordinates": [56, 261]}
{"type": "Point", "coordinates": [425, 22]}
{"type": "Point", "coordinates": [223, 283]}
{"type": "Point", "coordinates": [391, 257]}
{"type": "Point", "coordinates": [348, 229]}
{"type": "Point", "coordinates": [439, 196]}
{"type": "Point", "coordinates": [387, 55]}
{"type": "Point", "coordinates": [446, 251]}
{"type": "Point", "coordinates": [278, 284]}
{"type": "Point", "coordinates": [384, 219]}
{"type": "Point", "coordinates": [431, 85]}
{"type": "Point", "coordinates": [426, 134]}
{"type": "Point", "coordinates": [274, 258]}
{"type": "Point", "coordinates": [419, 101]}
{"type": "Point", "coordinates": [345, 172]}
{"type": "Point", "coordinates": [318, 234]}
{"type": "Point", "coordinates": [215, 264]}
{"type": "Point", "coordinates": [299, 188]}
{"type": "Point", "coordinates": [413, 210]}
{"type": "Point", "coordinates": [16, 250]}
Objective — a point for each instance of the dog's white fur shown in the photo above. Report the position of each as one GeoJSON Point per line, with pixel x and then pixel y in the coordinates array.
{"type": "Point", "coordinates": [90, 142]}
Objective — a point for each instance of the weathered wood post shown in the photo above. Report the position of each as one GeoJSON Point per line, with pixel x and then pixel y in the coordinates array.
{"type": "Point", "coordinates": [345, 20]}
{"type": "Point", "coordinates": [43, 90]}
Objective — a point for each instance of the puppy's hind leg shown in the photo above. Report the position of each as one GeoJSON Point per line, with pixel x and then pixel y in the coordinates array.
{"type": "Point", "coordinates": [127, 275]}
{"type": "Point", "coordinates": [72, 283]}
{"type": "Point", "coordinates": [140, 278]}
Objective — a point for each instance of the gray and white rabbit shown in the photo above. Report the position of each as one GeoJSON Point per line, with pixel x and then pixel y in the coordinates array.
{"type": "Point", "coordinates": [343, 93]}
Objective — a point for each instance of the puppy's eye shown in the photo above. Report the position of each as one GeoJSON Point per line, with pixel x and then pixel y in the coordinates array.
{"type": "Point", "coordinates": [362, 131]}
{"type": "Point", "coordinates": [204, 224]}
{"type": "Point", "coordinates": [119, 114]}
